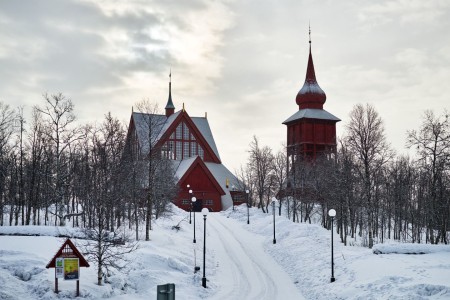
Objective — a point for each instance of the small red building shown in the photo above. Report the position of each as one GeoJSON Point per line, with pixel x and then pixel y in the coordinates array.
{"type": "Point", "coordinates": [189, 143]}
{"type": "Point", "coordinates": [311, 131]}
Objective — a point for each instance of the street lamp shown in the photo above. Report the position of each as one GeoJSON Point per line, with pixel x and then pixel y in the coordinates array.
{"type": "Point", "coordinates": [204, 213]}
{"type": "Point", "coordinates": [190, 209]}
{"type": "Point", "coordinates": [248, 214]}
{"type": "Point", "coordinates": [332, 214]}
{"type": "Point", "coordinates": [274, 201]}
{"type": "Point", "coordinates": [193, 201]}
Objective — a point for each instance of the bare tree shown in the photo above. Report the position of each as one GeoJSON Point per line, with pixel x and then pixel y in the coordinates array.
{"type": "Point", "coordinates": [106, 248]}
{"type": "Point", "coordinates": [151, 125]}
{"type": "Point", "coordinates": [59, 117]}
{"type": "Point", "coordinates": [6, 122]}
{"type": "Point", "coordinates": [280, 174]}
{"type": "Point", "coordinates": [36, 144]}
{"type": "Point", "coordinates": [159, 177]}
{"type": "Point", "coordinates": [432, 142]}
{"type": "Point", "coordinates": [260, 166]}
{"type": "Point", "coordinates": [366, 140]}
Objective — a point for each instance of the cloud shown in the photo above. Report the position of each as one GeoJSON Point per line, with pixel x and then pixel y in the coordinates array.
{"type": "Point", "coordinates": [95, 51]}
{"type": "Point", "coordinates": [243, 62]}
{"type": "Point", "coordinates": [404, 11]}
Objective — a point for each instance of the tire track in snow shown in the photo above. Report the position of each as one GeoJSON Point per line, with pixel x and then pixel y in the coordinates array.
{"type": "Point", "coordinates": [253, 274]}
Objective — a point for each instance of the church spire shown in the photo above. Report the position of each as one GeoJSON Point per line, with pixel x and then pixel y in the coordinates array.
{"type": "Point", "coordinates": [170, 108]}
{"type": "Point", "coordinates": [310, 95]}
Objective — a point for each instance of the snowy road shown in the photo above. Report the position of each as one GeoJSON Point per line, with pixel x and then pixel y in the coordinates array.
{"type": "Point", "coordinates": [249, 272]}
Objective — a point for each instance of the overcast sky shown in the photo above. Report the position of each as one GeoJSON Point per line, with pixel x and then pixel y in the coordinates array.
{"type": "Point", "coordinates": [242, 62]}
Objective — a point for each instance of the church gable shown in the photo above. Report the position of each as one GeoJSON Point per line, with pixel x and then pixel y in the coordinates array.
{"type": "Point", "coordinates": [197, 174]}
{"type": "Point", "coordinates": [183, 139]}
{"type": "Point", "coordinates": [204, 185]}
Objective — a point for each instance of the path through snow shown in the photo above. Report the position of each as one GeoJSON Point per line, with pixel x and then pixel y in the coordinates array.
{"type": "Point", "coordinates": [242, 262]}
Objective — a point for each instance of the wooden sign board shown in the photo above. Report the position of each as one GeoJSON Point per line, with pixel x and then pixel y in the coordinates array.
{"type": "Point", "coordinates": [67, 262]}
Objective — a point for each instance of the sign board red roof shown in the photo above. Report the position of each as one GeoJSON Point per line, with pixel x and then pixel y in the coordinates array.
{"type": "Point", "coordinates": [68, 249]}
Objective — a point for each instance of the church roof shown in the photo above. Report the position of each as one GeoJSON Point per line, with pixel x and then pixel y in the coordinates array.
{"type": "Point", "coordinates": [203, 125]}
{"type": "Point", "coordinates": [312, 113]}
{"type": "Point", "coordinates": [150, 122]}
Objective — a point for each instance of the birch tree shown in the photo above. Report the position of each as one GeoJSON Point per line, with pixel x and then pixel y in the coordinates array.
{"type": "Point", "coordinates": [366, 140]}
{"type": "Point", "coordinates": [432, 143]}
{"type": "Point", "coordinates": [260, 166]}
{"type": "Point", "coordinates": [59, 117]}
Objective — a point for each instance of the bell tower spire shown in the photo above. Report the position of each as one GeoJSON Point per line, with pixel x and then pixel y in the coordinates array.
{"type": "Point", "coordinates": [170, 108]}
{"type": "Point", "coordinates": [310, 95]}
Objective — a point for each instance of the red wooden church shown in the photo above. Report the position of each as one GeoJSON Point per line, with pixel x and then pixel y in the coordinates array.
{"type": "Point", "coordinates": [189, 143]}
{"type": "Point", "coordinates": [311, 131]}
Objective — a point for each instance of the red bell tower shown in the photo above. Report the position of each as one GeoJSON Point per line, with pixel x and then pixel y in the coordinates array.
{"type": "Point", "coordinates": [311, 131]}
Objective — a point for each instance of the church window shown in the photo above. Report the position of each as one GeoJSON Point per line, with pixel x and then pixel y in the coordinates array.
{"type": "Point", "coordinates": [182, 144]}
{"type": "Point", "coordinates": [170, 153]}
{"type": "Point", "coordinates": [179, 131]}
{"type": "Point", "coordinates": [193, 148]}
{"type": "Point", "coordinates": [179, 148]}
{"type": "Point", "coordinates": [186, 150]}
{"type": "Point", "coordinates": [185, 132]}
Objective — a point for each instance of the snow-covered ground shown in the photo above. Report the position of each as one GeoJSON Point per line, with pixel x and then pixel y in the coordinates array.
{"type": "Point", "coordinates": [241, 263]}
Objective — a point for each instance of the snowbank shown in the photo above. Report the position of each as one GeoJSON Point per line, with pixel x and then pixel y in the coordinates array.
{"type": "Point", "coordinates": [31, 230]}
{"type": "Point", "coordinates": [408, 248]}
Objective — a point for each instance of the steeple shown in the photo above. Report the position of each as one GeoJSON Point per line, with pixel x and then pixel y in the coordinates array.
{"type": "Point", "coordinates": [170, 108]}
{"type": "Point", "coordinates": [310, 95]}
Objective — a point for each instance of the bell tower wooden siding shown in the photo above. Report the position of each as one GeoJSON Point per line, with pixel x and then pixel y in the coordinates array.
{"type": "Point", "coordinates": [309, 137]}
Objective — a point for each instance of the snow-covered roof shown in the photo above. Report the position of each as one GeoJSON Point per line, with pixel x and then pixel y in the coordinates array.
{"type": "Point", "coordinates": [311, 88]}
{"type": "Point", "coordinates": [312, 113]}
{"type": "Point", "coordinates": [181, 166]}
{"type": "Point", "coordinates": [221, 173]}
{"type": "Point", "coordinates": [203, 125]}
{"type": "Point", "coordinates": [167, 124]}
{"type": "Point", "coordinates": [145, 122]}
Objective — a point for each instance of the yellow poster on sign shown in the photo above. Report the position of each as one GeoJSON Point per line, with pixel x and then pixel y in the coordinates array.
{"type": "Point", "coordinates": [71, 269]}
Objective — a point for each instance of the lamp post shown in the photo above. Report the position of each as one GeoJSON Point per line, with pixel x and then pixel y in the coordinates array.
{"type": "Point", "coordinates": [248, 214]}
{"type": "Point", "coordinates": [332, 214]}
{"type": "Point", "coordinates": [204, 213]}
{"type": "Point", "coordinates": [190, 209]}
{"type": "Point", "coordinates": [274, 201]}
{"type": "Point", "coordinates": [232, 189]}
{"type": "Point", "coordinates": [193, 201]}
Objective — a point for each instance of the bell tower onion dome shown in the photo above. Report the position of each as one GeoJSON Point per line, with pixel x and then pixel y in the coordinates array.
{"type": "Point", "coordinates": [310, 95]}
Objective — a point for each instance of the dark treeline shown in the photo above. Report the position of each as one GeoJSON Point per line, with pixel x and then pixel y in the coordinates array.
{"type": "Point", "coordinates": [55, 172]}
{"type": "Point", "coordinates": [377, 194]}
